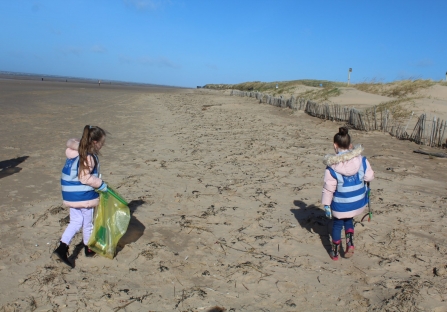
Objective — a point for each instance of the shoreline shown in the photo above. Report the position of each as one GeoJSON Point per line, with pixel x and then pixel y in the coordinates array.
{"type": "Point", "coordinates": [55, 78]}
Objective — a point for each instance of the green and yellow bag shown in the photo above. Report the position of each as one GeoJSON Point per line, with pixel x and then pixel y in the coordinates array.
{"type": "Point", "coordinates": [111, 220]}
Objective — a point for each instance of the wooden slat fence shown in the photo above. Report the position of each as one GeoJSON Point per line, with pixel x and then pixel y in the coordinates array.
{"type": "Point", "coordinates": [428, 131]}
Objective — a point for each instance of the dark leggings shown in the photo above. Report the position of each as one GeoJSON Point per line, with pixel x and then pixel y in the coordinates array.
{"type": "Point", "coordinates": [338, 225]}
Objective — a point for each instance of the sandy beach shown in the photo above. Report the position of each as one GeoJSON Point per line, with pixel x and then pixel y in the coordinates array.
{"type": "Point", "coordinates": [225, 199]}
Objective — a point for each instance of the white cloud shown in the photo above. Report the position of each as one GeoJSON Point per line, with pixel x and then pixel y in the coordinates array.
{"type": "Point", "coordinates": [424, 63]}
{"type": "Point", "coordinates": [71, 50]}
{"type": "Point", "coordinates": [97, 48]}
{"type": "Point", "coordinates": [212, 66]}
{"type": "Point", "coordinates": [165, 62]}
{"type": "Point", "coordinates": [161, 62]}
{"type": "Point", "coordinates": [55, 31]}
{"type": "Point", "coordinates": [149, 61]}
{"type": "Point", "coordinates": [125, 59]}
{"type": "Point", "coordinates": [17, 54]}
{"type": "Point", "coordinates": [36, 6]}
{"type": "Point", "coordinates": [306, 32]}
{"type": "Point", "coordinates": [144, 4]}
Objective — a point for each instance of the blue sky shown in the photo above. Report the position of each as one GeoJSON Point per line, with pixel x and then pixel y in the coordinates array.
{"type": "Point", "coordinates": [197, 42]}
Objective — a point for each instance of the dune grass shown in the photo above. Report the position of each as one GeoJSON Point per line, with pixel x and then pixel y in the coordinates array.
{"type": "Point", "coordinates": [397, 110]}
{"type": "Point", "coordinates": [283, 86]}
{"type": "Point", "coordinates": [403, 91]}
{"type": "Point", "coordinates": [397, 89]}
{"type": "Point", "coordinates": [321, 94]}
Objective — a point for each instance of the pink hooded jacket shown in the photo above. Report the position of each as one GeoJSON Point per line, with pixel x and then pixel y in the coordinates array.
{"type": "Point", "coordinates": [85, 177]}
{"type": "Point", "coordinates": [346, 164]}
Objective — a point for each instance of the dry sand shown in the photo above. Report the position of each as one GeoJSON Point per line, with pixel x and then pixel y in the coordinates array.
{"type": "Point", "coordinates": [432, 101]}
{"type": "Point", "coordinates": [225, 197]}
{"type": "Point", "coordinates": [352, 97]}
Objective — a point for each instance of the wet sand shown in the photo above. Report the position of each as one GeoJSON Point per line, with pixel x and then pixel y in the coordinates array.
{"type": "Point", "coordinates": [225, 200]}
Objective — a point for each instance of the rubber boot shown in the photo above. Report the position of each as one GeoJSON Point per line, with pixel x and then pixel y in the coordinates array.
{"type": "Point", "coordinates": [62, 253]}
{"type": "Point", "coordinates": [88, 252]}
{"type": "Point", "coordinates": [334, 252]}
{"type": "Point", "coordinates": [349, 244]}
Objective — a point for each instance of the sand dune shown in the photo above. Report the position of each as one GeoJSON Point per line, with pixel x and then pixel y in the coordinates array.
{"type": "Point", "coordinates": [225, 198]}
{"type": "Point", "coordinates": [432, 101]}
{"type": "Point", "coordinates": [352, 97]}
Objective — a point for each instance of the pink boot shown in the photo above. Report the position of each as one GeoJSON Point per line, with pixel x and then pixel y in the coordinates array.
{"type": "Point", "coordinates": [349, 244]}
{"type": "Point", "coordinates": [334, 252]}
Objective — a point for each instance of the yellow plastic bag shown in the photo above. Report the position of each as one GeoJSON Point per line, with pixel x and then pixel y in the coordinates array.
{"type": "Point", "coordinates": [111, 220]}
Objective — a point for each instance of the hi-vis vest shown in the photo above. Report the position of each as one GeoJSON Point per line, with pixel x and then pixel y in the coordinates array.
{"type": "Point", "coordinates": [72, 189]}
{"type": "Point", "coordinates": [351, 191]}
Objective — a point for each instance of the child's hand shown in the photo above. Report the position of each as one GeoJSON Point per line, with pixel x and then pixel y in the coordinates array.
{"type": "Point", "coordinates": [103, 187]}
{"type": "Point", "coordinates": [328, 211]}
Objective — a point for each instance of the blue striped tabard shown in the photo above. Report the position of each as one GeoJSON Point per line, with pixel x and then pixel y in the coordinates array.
{"type": "Point", "coordinates": [351, 190]}
{"type": "Point", "coordinates": [72, 189]}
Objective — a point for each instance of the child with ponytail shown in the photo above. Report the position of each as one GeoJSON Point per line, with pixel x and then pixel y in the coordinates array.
{"type": "Point", "coordinates": [80, 182]}
{"type": "Point", "coordinates": [345, 191]}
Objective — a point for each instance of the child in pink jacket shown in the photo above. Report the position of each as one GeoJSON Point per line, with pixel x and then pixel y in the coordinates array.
{"type": "Point", "coordinates": [80, 183]}
{"type": "Point", "coordinates": [345, 191]}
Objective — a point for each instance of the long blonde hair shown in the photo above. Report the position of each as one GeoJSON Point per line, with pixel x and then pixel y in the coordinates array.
{"type": "Point", "coordinates": [87, 145]}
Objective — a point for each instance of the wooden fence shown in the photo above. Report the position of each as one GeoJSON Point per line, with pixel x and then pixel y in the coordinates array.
{"type": "Point", "coordinates": [428, 131]}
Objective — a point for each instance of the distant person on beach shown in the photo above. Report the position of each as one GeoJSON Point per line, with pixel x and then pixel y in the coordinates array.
{"type": "Point", "coordinates": [344, 190]}
{"type": "Point", "coordinates": [80, 182]}
{"type": "Point", "coordinates": [99, 82]}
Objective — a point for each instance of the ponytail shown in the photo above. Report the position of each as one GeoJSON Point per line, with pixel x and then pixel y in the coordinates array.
{"type": "Point", "coordinates": [87, 147]}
